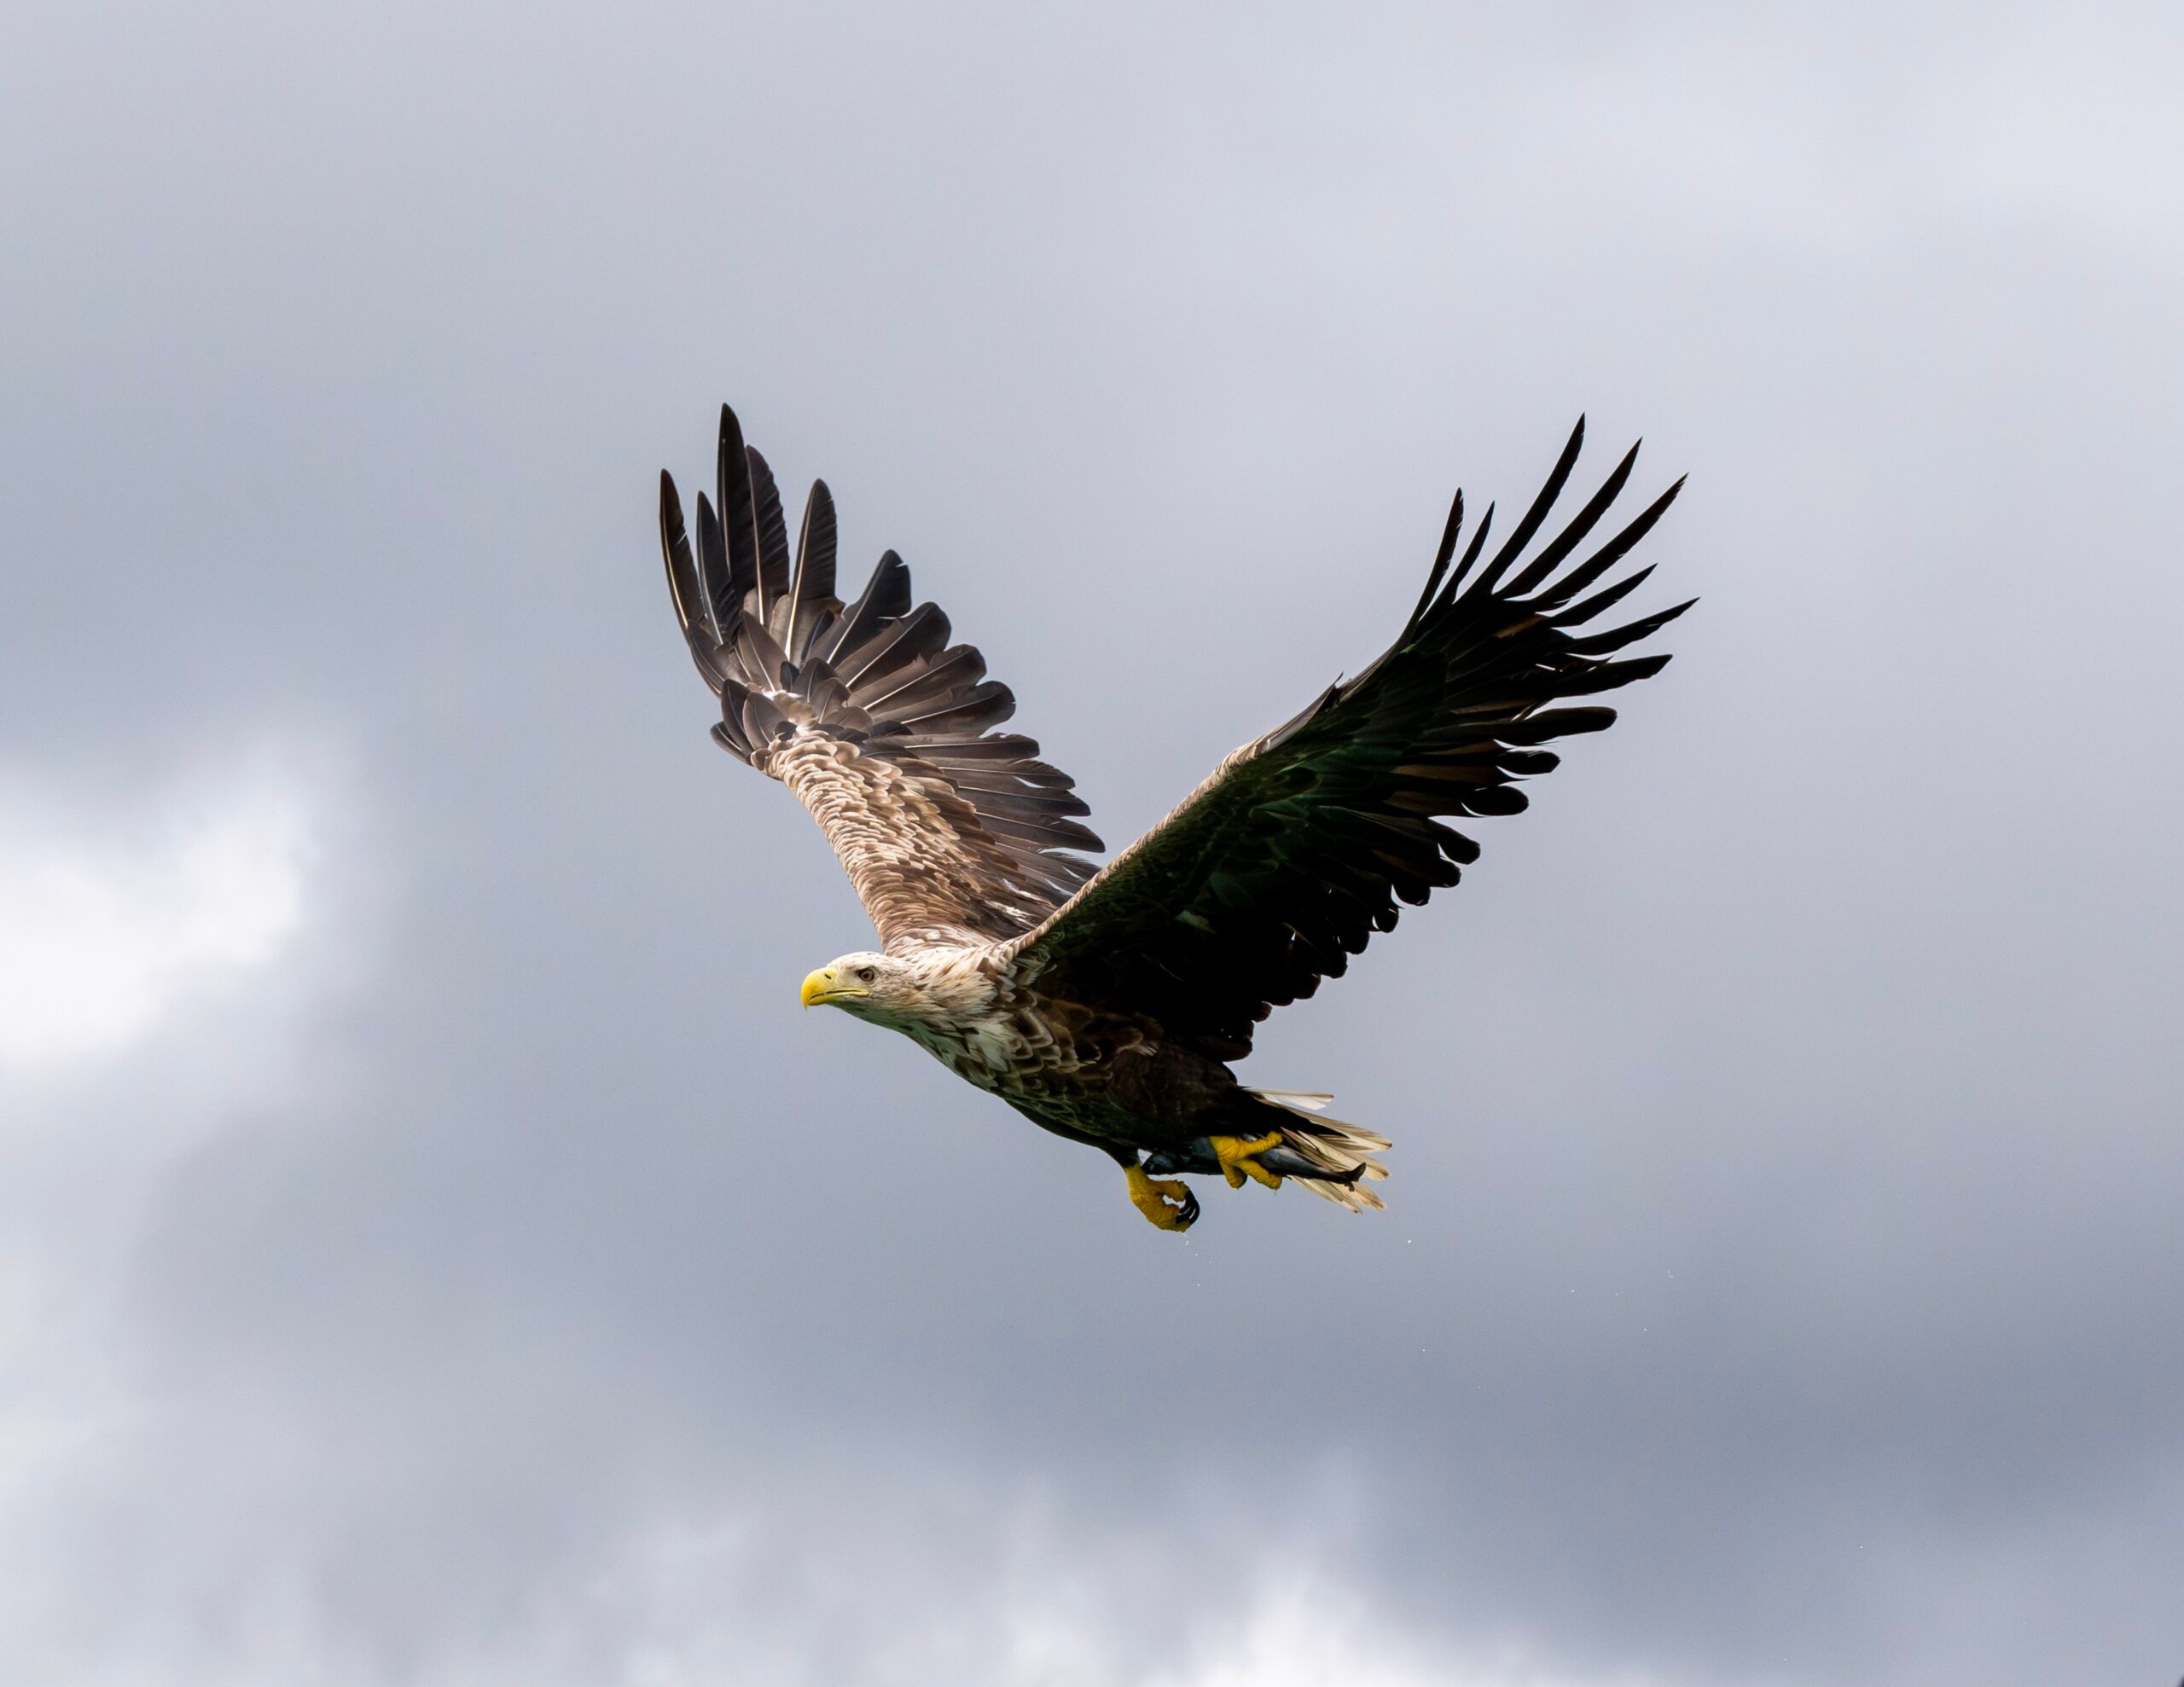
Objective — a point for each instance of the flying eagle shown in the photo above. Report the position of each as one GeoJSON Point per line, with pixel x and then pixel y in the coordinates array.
{"type": "Point", "coordinates": [1105, 1005]}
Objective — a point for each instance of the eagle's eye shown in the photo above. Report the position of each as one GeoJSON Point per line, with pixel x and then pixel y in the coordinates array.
{"type": "Point", "coordinates": [867, 974]}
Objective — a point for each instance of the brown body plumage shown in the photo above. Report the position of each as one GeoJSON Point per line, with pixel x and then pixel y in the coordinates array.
{"type": "Point", "coordinates": [1107, 1006]}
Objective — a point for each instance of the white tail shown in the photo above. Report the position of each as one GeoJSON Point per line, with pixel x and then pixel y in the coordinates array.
{"type": "Point", "coordinates": [1343, 1151]}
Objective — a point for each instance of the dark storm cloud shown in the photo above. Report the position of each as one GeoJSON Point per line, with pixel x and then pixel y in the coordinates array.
{"type": "Point", "coordinates": [1785, 1107]}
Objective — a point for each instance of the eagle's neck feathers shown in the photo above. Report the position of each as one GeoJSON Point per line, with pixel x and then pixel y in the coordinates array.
{"type": "Point", "coordinates": [961, 1010]}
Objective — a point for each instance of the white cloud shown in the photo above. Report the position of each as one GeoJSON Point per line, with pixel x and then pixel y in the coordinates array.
{"type": "Point", "coordinates": [116, 917]}
{"type": "Point", "coordinates": [1014, 1601]}
{"type": "Point", "coordinates": [1312, 1633]}
{"type": "Point", "coordinates": [110, 925]}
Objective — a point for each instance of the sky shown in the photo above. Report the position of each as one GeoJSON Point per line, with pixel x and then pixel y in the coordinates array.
{"type": "Point", "coordinates": [434, 1247]}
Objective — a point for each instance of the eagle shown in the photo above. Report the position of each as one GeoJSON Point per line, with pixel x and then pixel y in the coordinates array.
{"type": "Point", "coordinates": [1107, 1003]}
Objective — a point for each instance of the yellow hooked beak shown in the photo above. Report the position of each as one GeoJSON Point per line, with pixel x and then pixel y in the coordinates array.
{"type": "Point", "coordinates": [823, 986]}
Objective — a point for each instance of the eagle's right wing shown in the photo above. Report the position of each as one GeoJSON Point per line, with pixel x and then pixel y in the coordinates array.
{"type": "Point", "coordinates": [1286, 862]}
{"type": "Point", "coordinates": [950, 832]}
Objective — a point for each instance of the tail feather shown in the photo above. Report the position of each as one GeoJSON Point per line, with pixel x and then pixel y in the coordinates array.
{"type": "Point", "coordinates": [1334, 1158]}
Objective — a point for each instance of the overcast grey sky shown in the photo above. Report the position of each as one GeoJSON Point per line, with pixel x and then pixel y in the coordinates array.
{"type": "Point", "coordinates": [435, 1250]}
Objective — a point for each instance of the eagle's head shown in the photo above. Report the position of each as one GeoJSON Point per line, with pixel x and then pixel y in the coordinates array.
{"type": "Point", "coordinates": [872, 986]}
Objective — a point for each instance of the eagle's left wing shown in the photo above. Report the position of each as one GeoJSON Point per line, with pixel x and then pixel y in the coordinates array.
{"type": "Point", "coordinates": [1284, 863]}
{"type": "Point", "coordinates": [950, 832]}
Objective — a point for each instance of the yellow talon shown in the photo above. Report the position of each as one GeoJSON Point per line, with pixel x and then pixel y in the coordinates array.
{"type": "Point", "coordinates": [1153, 1197]}
{"type": "Point", "coordinates": [1237, 1155]}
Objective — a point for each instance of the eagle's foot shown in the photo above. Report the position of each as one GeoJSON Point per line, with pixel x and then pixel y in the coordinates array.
{"type": "Point", "coordinates": [1167, 1202]}
{"type": "Point", "coordinates": [1238, 1156]}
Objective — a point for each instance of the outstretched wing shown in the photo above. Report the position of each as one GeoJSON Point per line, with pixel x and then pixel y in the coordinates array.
{"type": "Point", "coordinates": [950, 832]}
{"type": "Point", "coordinates": [1286, 862]}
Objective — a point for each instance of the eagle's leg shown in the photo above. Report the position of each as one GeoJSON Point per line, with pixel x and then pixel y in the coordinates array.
{"type": "Point", "coordinates": [1166, 1202]}
{"type": "Point", "coordinates": [1239, 1158]}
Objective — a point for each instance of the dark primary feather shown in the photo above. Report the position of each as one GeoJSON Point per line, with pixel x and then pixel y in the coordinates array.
{"type": "Point", "coordinates": [732, 500]}
{"type": "Point", "coordinates": [783, 653]}
{"type": "Point", "coordinates": [811, 593]}
{"type": "Point", "coordinates": [769, 532]}
{"type": "Point", "coordinates": [1283, 864]}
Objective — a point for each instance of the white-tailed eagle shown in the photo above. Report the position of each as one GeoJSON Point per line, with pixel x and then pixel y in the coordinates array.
{"type": "Point", "coordinates": [1105, 1005]}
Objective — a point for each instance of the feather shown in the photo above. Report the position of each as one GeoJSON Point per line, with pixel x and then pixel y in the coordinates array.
{"type": "Point", "coordinates": [955, 672]}
{"type": "Point", "coordinates": [923, 632]}
{"type": "Point", "coordinates": [1600, 644]}
{"type": "Point", "coordinates": [886, 597]}
{"type": "Point", "coordinates": [774, 668]}
{"type": "Point", "coordinates": [731, 499]}
{"type": "Point", "coordinates": [985, 704]}
{"type": "Point", "coordinates": [1551, 556]}
{"type": "Point", "coordinates": [1613, 551]}
{"type": "Point", "coordinates": [692, 611]}
{"type": "Point", "coordinates": [812, 590]}
{"type": "Point", "coordinates": [1557, 476]}
{"type": "Point", "coordinates": [1471, 555]}
{"type": "Point", "coordinates": [1448, 536]}
{"type": "Point", "coordinates": [724, 608]}
{"type": "Point", "coordinates": [763, 719]}
{"type": "Point", "coordinates": [1043, 832]}
{"type": "Point", "coordinates": [1026, 799]}
{"type": "Point", "coordinates": [769, 540]}
{"type": "Point", "coordinates": [994, 747]}
{"type": "Point", "coordinates": [1579, 614]}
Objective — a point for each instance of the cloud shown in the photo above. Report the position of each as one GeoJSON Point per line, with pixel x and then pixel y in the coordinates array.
{"type": "Point", "coordinates": [1784, 1109]}
{"type": "Point", "coordinates": [910, 1587]}
{"type": "Point", "coordinates": [123, 917]}
{"type": "Point", "coordinates": [114, 921]}
{"type": "Point", "coordinates": [1025, 1607]}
